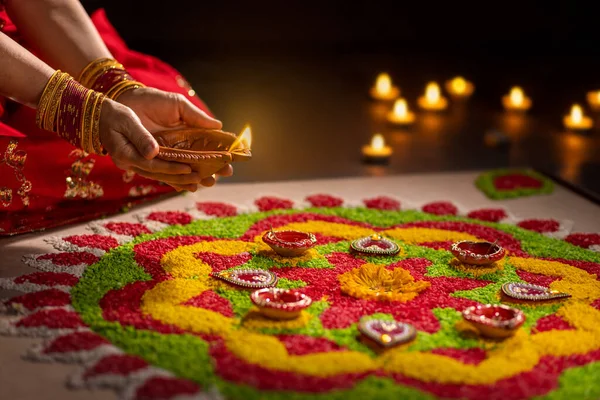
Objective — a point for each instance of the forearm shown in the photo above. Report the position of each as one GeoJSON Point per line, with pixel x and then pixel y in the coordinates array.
{"type": "Point", "coordinates": [61, 32]}
{"type": "Point", "coordinates": [22, 75]}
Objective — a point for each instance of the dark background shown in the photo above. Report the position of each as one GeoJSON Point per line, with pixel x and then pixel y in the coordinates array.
{"type": "Point", "coordinates": [299, 72]}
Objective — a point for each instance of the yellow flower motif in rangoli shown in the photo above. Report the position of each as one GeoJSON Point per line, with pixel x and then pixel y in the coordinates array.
{"type": "Point", "coordinates": [375, 282]}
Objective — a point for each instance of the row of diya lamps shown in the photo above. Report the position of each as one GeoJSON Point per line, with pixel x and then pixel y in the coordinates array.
{"type": "Point", "coordinates": [496, 321]}
{"type": "Point", "coordinates": [459, 89]}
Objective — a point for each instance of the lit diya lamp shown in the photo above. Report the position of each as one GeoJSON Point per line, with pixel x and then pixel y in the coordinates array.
{"type": "Point", "coordinates": [529, 292]}
{"type": "Point", "coordinates": [205, 150]}
{"type": "Point", "coordinates": [460, 88]}
{"type": "Point", "coordinates": [384, 89]}
{"type": "Point", "coordinates": [248, 278]}
{"type": "Point", "coordinates": [477, 253]}
{"type": "Point", "coordinates": [377, 151]}
{"type": "Point", "coordinates": [516, 100]}
{"type": "Point", "coordinates": [280, 303]}
{"type": "Point", "coordinates": [593, 99]}
{"type": "Point", "coordinates": [400, 114]}
{"type": "Point", "coordinates": [494, 321]}
{"type": "Point", "coordinates": [576, 120]}
{"type": "Point", "coordinates": [433, 99]}
{"type": "Point", "coordinates": [386, 334]}
{"type": "Point", "coordinates": [289, 243]}
{"type": "Point", "coordinates": [375, 245]}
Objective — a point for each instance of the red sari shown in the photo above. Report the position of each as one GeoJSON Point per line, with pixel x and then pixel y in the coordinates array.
{"type": "Point", "coordinates": [46, 182]}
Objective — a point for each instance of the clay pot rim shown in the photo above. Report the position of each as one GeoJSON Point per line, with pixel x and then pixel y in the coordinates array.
{"type": "Point", "coordinates": [304, 302]}
{"type": "Point", "coordinates": [457, 250]}
{"type": "Point", "coordinates": [249, 285]}
{"type": "Point", "coordinates": [305, 243]}
{"type": "Point", "coordinates": [513, 323]}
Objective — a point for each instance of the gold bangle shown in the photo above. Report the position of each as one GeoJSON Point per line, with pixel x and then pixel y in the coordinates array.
{"type": "Point", "coordinates": [84, 117]}
{"type": "Point", "coordinates": [96, 144]}
{"type": "Point", "coordinates": [123, 87]}
{"type": "Point", "coordinates": [45, 99]}
{"type": "Point", "coordinates": [90, 73]}
{"type": "Point", "coordinates": [89, 129]}
{"type": "Point", "coordinates": [91, 65]}
{"type": "Point", "coordinates": [87, 124]}
{"type": "Point", "coordinates": [50, 117]}
{"type": "Point", "coordinates": [101, 71]}
{"type": "Point", "coordinates": [116, 88]}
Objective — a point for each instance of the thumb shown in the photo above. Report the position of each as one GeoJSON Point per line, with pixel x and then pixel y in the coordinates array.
{"type": "Point", "coordinates": [139, 136]}
{"type": "Point", "coordinates": [193, 116]}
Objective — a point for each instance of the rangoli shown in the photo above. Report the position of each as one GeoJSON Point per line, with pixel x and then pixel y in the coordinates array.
{"type": "Point", "coordinates": [501, 184]}
{"type": "Point", "coordinates": [144, 308]}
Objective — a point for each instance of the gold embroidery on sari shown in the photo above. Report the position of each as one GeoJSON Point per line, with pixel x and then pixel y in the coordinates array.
{"type": "Point", "coordinates": [6, 196]}
{"type": "Point", "coordinates": [78, 185]}
{"type": "Point", "coordinates": [128, 176]}
{"type": "Point", "coordinates": [15, 159]}
{"type": "Point", "coordinates": [137, 191]}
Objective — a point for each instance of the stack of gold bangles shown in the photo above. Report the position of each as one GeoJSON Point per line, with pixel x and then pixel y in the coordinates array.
{"type": "Point", "coordinates": [72, 111]}
{"type": "Point", "coordinates": [108, 76]}
{"type": "Point", "coordinates": [72, 108]}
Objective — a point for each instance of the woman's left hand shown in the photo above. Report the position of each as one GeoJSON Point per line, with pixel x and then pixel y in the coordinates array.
{"type": "Point", "coordinates": [159, 110]}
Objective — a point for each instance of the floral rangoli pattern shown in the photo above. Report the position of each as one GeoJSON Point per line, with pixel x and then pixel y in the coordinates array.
{"type": "Point", "coordinates": [139, 306]}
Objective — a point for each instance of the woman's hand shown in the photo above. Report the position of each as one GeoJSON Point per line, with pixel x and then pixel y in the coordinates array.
{"type": "Point", "coordinates": [159, 110]}
{"type": "Point", "coordinates": [133, 148]}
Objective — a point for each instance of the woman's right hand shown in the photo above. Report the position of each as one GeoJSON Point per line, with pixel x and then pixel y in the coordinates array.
{"type": "Point", "coordinates": [133, 148]}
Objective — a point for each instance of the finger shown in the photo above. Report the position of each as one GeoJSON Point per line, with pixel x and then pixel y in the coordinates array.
{"type": "Point", "coordinates": [179, 180]}
{"type": "Point", "coordinates": [143, 141]}
{"type": "Point", "coordinates": [189, 188]}
{"type": "Point", "coordinates": [208, 182]}
{"type": "Point", "coordinates": [225, 171]}
{"type": "Point", "coordinates": [193, 116]}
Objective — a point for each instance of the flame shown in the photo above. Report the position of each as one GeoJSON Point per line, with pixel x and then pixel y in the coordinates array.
{"type": "Point", "coordinates": [400, 108]}
{"type": "Point", "coordinates": [516, 96]}
{"type": "Point", "coordinates": [576, 114]}
{"type": "Point", "coordinates": [243, 141]}
{"type": "Point", "coordinates": [383, 85]}
{"type": "Point", "coordinates": [432, 92]}
{"type": "Point", "coordinates": [459, 84]}
{"type": "Point", "coordinates": [598, 96]}
{"type": "Point", "coordinates": [378, 143]}
{"type": "Point", "coordinates": [385, 338]}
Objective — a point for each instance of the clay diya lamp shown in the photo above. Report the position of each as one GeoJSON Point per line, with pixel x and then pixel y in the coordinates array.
{"type": "Point", "coordinates": [248, 278]}
{"type": "Point", "coordinates": [477, 253]}
{"type": "Point", "coordinates": [528, 292]}
{"type": "Point", "coordinates": [289, 243]}
{"type": "Point", "coordinates": [280, 303]}
{"type": "Point", "coordinates": [494, 321]}
{"type": "Point", "coordinates": [205, 150]}
{"type": "Point", "coordinates": [386, 334]}
{"type": "Point", "coordinates": [375, 245]}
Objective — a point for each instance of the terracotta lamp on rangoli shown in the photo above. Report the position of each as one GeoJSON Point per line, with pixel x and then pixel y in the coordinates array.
{"type": "Point", "coordinates": [477, 253]}
{"type": "Point", "coordinates": [289, 243]}
{"type": "Point", "coordinates": [205, 150]}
